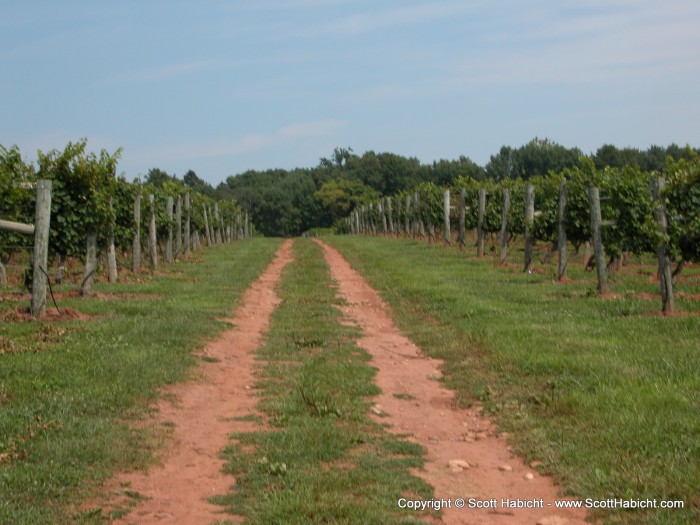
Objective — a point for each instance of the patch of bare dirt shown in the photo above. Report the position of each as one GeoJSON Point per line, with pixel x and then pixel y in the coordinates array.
{"type": "Point", "coordinates": [51, 315]}
{"type": "Point", "coordinates": [203, 416]}
{"type": "Point", "coordinates": [465, 456]}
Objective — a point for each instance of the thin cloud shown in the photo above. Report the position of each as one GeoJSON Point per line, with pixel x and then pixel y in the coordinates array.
{"type": "Point", "coordinates": [167, 72]}
{"type": "Point", "coordinates": [200, 149]}
{"type": "Point", "coordinates": [633, 41]}
{"type": "Point", "coordinates": [372, 21]}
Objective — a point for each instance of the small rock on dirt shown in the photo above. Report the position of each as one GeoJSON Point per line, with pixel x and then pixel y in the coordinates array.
{"type": "Point", "coordinates": [457, 465]}
{"type": "Point", "coordinates": [535, 464]}
{"type": "Point", "coordinates": [505, 468]}
{"type": "Point", "coordinates": [529, 476]}
{"type": "Point", "coordinates": [378, 410]}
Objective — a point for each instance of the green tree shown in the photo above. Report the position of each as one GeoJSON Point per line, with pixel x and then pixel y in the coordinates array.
{"type": "Point", "coordinates": [158, 177]}
{"type": "Point", "coordinates": [340, 196]}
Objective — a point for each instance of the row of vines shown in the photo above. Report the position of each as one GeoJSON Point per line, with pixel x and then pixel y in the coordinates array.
{"type": "Point", "coordinates": [626, 210]}
{"type": "Point", "coordinates": [93, 210]}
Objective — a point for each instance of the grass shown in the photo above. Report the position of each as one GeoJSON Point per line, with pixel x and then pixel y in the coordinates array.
{"type": "Point", "coordinates": [69, 390]}
{"type": "Point", "coordinates": [604, 392]}
{"type": "Point", "coordinates": [318, 458]}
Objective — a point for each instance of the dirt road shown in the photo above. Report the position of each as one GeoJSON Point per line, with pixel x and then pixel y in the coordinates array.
{"type": "Point", "coordinates": [465, 457]}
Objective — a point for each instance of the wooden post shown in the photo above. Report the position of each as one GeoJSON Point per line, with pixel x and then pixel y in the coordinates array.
{"type": "Point", "coordinates": [668, 302]}
{"type": "Point", "coordinates": [206, 225]}
{"type": "Point", "coordinates": [111, 252]}
{"type": "Point", "coordinates": [217, 225]}
{"type": "Point", "coordinates": [90, 264]}
{"type": "Point", "coordinates": [188, 240]}
{"type": "Point", "coordinates": [399, 222]}
{"type": "Point", "coordinates": [598, 250]}
{"type": "Point", "coordinates": [42, 222]}
{"type": "Point", "coordinates": [390, 215]}
{"type": "Point", "coordinates": [17, 227]}
{"type": "Point", "coordinates": [178, 231]}
{"type": "Point", "coordinates": [561, 237]}
{"type": "Point", "coordinates": [385, 223]}
{"type": "Point", "coordinates": [447, 234]}
{"type": "Point", "coordinates": [420, 226]}
{"type": "Point", "coordinates": [152, 241]}
{"type": "Point", "coordinates": [169, 244]}
{"type": "Point", "coordinates": [407, 215]}
{"type": "Point", "coordinates": [504, 226]}
{"type": "Point", "coordinates": [246, 225]}
{"type": "Point", "coordinates": [529, 223]}
{"type": "Point", "coordinates": [136, 245]}
{"type": "Point", "coordinates": [462, 236]}
{"type": "Point", "coordinates": [480, 223]}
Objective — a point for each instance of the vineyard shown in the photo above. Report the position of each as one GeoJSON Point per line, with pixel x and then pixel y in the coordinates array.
{"type": "Point", "coordinates": [612, 212]}
{"type": "Point", "coordinates": [529, 299]}
{"type": "Point", "coordinates": [85, 208]}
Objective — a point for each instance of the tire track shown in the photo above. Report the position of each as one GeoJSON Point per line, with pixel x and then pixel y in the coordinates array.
{"type": "Point", "coordinates": [204, 415]}
{"type": "Point", "coordinates": [413, 402]}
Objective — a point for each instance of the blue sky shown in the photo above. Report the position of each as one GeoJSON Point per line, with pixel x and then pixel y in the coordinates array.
{"type": "Point", "coordinates": [225, 86]}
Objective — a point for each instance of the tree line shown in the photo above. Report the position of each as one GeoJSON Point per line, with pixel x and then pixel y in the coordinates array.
{"type": "Point", "coordinates": [291, 202]}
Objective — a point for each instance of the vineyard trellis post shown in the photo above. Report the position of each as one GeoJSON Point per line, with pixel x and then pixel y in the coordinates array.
{"type": "Point", "coordinates": [136, 245]}
{"type": "Point", "coordinates": [188, 244]}
{"type": "Point", "coordinates": [447, 234]}
{"type": "Point", "coordinates": [504, 226]}
{"type": "Point", "coordinates": [462, 238]}
{"type": "Point", "coordinates": [178, 231]}
{"type": "Point", "coordinates": [529, 223]}
{"type": "Point", "coordinates": [668, 303]}
{"type": "Point", "coordinates": [561, 237]}
{"type": "Point", "coordinates": [152, 239]}
{"type": "Point", "coordinates": [90, 263]}
{"type": "Point", "coordinates": [112, 274]}
{"type": "Point", "coordinates": [169, 242]}
{"type": "Point", "coordinates": [389, 215]}
{"type": "Point", "coordinates": [42, 222]}
{"type": "Point", "coordinates": [399, 223]}
{"type": "Point", "coordinates": [598, 250]}
{"type": "Point", "coordinates": [419, 226]}
{"type": "Point", "coordinates": [218, 237]}
{"type": "Point", "coordinates": [385, 223]}
{"type": "Point", "coordinates": [206, 225]}
{"type": "Point", "coordinates": [407, 215]}
{"type": "Point", "coordinates": [480, 223]}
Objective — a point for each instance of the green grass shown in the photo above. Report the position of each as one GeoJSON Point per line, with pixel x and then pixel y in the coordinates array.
{"type": "Point", "coordinates": [604, 392]}
{"type": "Point", "coordinates": [320, 458]}
{"type": "Point", "coordinates": [68, 390]}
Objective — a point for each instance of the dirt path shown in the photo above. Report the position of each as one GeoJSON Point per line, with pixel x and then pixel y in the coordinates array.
{"type": "Point", "coordinates": [204, 415]}
{"type": "Point", "coordinates": [424, 409]}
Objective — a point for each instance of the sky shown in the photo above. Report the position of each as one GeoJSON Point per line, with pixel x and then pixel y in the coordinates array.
{"type": "Point", "coordinates": [221, 87]}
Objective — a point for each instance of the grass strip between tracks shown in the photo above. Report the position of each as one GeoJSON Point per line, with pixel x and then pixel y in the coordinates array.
{"type": "Point", "coordinates": [318, 457]}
